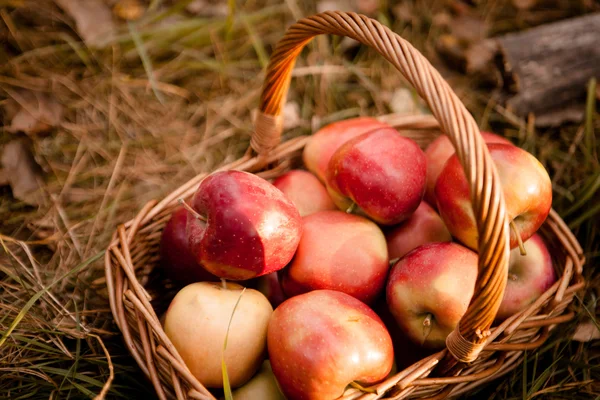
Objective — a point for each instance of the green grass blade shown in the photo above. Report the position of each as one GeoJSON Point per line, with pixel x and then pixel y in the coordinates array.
{"type": "Point", "coordinates": [39, 294]}
{"type": "Point", "coordinates": [590, 109]}
{"type": "Point", "coordinates": [257, 43]}
{"type": "Point", "coordinates": [141, 49]}
{"type": "Point", "coordinates": [226, 385]}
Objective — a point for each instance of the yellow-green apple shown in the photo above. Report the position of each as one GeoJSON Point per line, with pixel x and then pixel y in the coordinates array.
{"type": "Point", "coordinates": [429, 290]}
{"type": "Point", "coordinates": [305, 191]}
{"type": "Point", "coordinates": [262, 386]}
{"type": "Point", "coordinates": [270, 286]}
{"type": "Point", "coordinates": [528, 277]}
{"type": "Point", "coordinates": [424, 226]}
{"type": "Point", "coordinates": [245, 226]}
{"type": "Point", "coordinates": [527, 193]}
{"type": "Point", "coordinates": [438, 152]}
{"type": "Point", "coordinates": [338, 251]}
{"type": "Point", "coordinates": [176, 258]}
{"type": "Point", "coordinates": [196, 323]}
{"type": "Point", "coordinates": [325, 142]}
{"type": "Point", "coordinates": [381, 172]}
{"type": "Point", "coordinates": [320, 342]}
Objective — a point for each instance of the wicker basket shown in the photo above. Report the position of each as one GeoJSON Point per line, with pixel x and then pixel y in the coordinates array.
{"type": "Point", "coordinates": [476, 352]}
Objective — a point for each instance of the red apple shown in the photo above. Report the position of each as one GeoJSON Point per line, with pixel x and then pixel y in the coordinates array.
{"type": "Point", "coordinates": [305, 190]}
{"type": "Point", "coordinates": [528, 277]}
{"type": "Point", "coordinates": [250, 228]}
{"type": "Point", "coordinates": [429, 290]}
{"type": "Point", "coordinates": [527, 193]}
{"type": "Point", "coordinates": [338, 251]}
{"type": "Point", "coordinates": [322, 341]}
{"type": "Point", "coordinates": [176, 258]}
{"type": "Point", "coordinates": [327, 140]}
{"type": "Point", "coordinates": [270, 286]}
{"type": "Point", "coordinates": [406, 352]}
{"type": "Point", "coordinates": [381, 172]}
{"type": "Point", "coordinates": [438, 152]}
{"type": "Point", "coordinates": [424, 226]}
{"type": "Point", "coordinates": [196, 323]}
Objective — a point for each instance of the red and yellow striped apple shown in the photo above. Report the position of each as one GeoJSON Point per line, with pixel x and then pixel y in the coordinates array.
{"type": "Point", "coordinates": [320, 342]}
{"type": "Point", "coordinates": [438, 152]}
{"type": "Point", "coordinates": [246, 228]}
{"type": "Point", "coordinates": [528, 277]}
{"type": "Point", "coordinates": [381, 172]}
{"type": "Point", "coordinates": [424, 226]}
{"type": "Point", "coordinates": [305, 190]}
{"type": "Point", "coordinates": [338, 251]}
{"type": "Point", "coordinates": [327, 140]}
{"type": "Point", "coordinates": [527, 193]}
{"type": "Point", "coordinates": [429, 290]}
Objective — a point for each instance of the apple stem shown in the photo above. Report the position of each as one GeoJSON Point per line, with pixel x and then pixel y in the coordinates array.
{"type": "Point", "coordinates": [224, 283]}
{"type": "Point", "coordinates": [351, 209]}
{"type": "Point", "coordinates": [426, 327]}
{"type": "Point", "coordinates": [513, 226]}
{"type": "Point", "coordinates": [190, 209]}
{"type": "Point", "coordinates": [513, 277]}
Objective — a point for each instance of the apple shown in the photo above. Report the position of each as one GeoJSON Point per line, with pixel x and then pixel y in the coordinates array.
{"type": "Point", "coordinates": [528, 277]}
{"type": "Point", "coordinates": [439, 151]}
{"type": "Point", "coordinates": [424, 226]}
{"type": "Point", "coordinates": [246, 227]}
{"type": "Point", "coordinates": [196, 323]}
{"type": "Point", "coordinates": [338, 251]}
{"type": "Point", "coordinates": [262, 386]}
{"type": "Point", "coordinates": [270, 286]}
{"type": "Point", "coordinates": [176, 258]}
{"type": "Point", "coordinates": [325, 142]}
{"type": "Point", "coordinates": [320, 342]}
{"type": "Point", "coordinates": [406, 353]}
{"type": "Point", "coordinates": [381, 172]}
{"type": "Point", "coordinates": [527, 194]}
{"type": "Point", "coordinates": [305, 191]}
{"type": "Point", "coordinates": [429, 290]}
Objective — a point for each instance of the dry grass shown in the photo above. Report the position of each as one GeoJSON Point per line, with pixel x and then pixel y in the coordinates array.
{"type": "Point", "coordinates": [125, 139]}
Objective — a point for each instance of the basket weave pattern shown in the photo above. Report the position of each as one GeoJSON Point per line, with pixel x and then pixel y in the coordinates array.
{"type": "Point", "coordinates": [475, 353]}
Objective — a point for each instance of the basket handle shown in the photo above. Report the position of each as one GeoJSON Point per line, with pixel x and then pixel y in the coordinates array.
{"type": "Point", "coordinates": [487, 198]}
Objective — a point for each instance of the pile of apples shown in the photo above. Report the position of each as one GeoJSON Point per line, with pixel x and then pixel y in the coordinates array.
{"type": "Point", "coordinates": [322, 257]}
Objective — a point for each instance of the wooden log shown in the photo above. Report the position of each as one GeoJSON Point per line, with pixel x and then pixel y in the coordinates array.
{"type": "Point", "coordinates": [543, 70]}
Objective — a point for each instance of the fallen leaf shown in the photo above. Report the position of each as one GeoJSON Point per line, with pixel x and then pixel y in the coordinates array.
{"type": "Point", "coordinates": [402, 102]}
{"type": "Point", "coordinates": [22, 172]}
{"type": "Point", "coordinates": [291, 115]}
{"type": "Point", "coordinates": [129, 10]}
{"type": "Point", "coordinates": [333, 5]}
{"type": "Point", "coordinates": [524, 4]}
{"type": "Point", "coordinates": [469, 28]}
{"type": "Point", "coordinates": [586, 332]}
{"type": "Point", "coordinates": [208, 8]}
{"type": "Point", "coordinates": [93, 19]}
{"type": "Point", "coordinates": [3, 178]}
{"type": "Point", "coordinates": [38, 112]}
